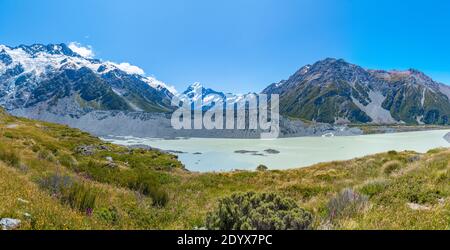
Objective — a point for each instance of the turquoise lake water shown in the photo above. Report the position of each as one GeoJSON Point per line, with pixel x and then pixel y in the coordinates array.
{"type": "Point", "coordinates": [207, 155]}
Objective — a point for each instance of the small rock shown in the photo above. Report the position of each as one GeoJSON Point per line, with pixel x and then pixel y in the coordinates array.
{"type": "Point", "coordinates": [415, 206]}
{"type": "Point", "coordinates": [447, 137]}
{"type": "Point", "coordinates": [441, 201]}
{"type": "Point", "coordinates": [258, 154]}
{"type": "Point", "coordinates": [142, 146]}
{"type": "Point", "coordinates": [414, 158]}
{"type": "Point", "coordinates": [12, 125]}
{"type": "Point", "coordinates": [245, 152]}
{"type": "Point", "coordinates": [175, 152]}
{"type": "Point", "coordinates": [111, 165]}
{"type": "Point", "coordinates": [328, 135]}
{"type": "Point", "coordinates": [22, 201]}
{"type": "Point", "coordinates": [9, 224]}
{"type": "Point", "coordinates": [85, 150]}
{"type": "Point", "coordinates": [104, 147]}
{"type": "Point", "coordinates": [109, 158]}
{"type": "Point", "coordinates": [272, 151]}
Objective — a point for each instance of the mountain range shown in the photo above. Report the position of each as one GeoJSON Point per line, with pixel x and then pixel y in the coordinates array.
{"type": "Point", "coordinates": [54, 83]}
{"type": "Point", "coordinates": [53, 78]}
{"type": "Point", "coordinates": [334, 91]}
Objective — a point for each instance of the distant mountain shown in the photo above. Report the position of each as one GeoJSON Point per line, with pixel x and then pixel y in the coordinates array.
{"type": "Point", "coordinates": [210, 98]}
{"type": "Point", "coordinates": [54, 79]}
{"type": "Point", "coordinates": [335, 91]}
{"type": "Point", "coordinates": [54, 83]}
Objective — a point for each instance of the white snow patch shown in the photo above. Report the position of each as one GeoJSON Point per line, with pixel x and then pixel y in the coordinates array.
{"type": "Point", "coordinates": [42, 63]}
{"type": "Point", "coordinates": [422, 101]}
{"type": "Point", "coordinates": [83, 51]}
{"type": "Point", "coordinates": [154, 83]}
{"type": "Point", "coordinates": [2, 68]}
{"type": "Point", "coordinates": [128, 68]}
{"type": "Point", "coordinates": [419, 119]}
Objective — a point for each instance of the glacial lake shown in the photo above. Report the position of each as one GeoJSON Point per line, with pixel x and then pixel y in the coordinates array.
{"type": "Point", "coordinates": [208, 155]}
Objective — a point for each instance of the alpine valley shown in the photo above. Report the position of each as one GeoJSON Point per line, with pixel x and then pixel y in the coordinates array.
{"type": "Point", "coordinates": [54, 83]}
{"type": "Point", "coordinates": [58, 177]}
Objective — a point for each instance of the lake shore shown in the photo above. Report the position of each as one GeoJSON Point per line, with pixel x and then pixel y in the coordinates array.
{"type": "Point", "coordinates": [222, 155]}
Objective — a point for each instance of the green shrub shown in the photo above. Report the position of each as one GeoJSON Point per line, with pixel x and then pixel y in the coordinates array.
{"type": "Point", "coordinates": [262, 168]}
{"type": "Point", "coordinates": [35, 148]}
{"type": "Point", "coordinates": [10, 157]}
{"type": "Point", "coordinates": [443, 177]}
{"type": "Point", "coordinates": [109, 215]}
{"type": "Point", "coordinates": [423, 196]}
{"type": "Point", "coordinates": [392, 152]}
{"type": "Point", "coordinates": [373, 188]}
{"type": "Point", "coordinates": [253, 211]}
{"type": "Point", "coordinates": [9, 135]}
{"type": "Point", "coordinates": [305, 191]}
{"type": "Point", "coordinates": [148, 185]}
{"type": "Point", "coordinates": [45, 155]}
{"type": "Point", "coordinates": [435, 150]}
{"type": "Point", "coordinates": [67, 160]}
{"type": "Point", "coordinates": [391, 167]}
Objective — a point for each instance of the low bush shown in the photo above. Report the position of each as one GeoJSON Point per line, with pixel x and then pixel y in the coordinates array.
{"type": "Point", "coordinates": [346, 204]}
{"type": "Point", "coordinates": [305, 191]}
{"type": "Point", "coordinates": [422, 195]}
{"type": "Point", "coordinates": [391, 167]}
{"type": "Point", "coordinates": [373, 188]}
{"type": "Point", "coordinates": [254, 211]}
{"type": "Point", "coordinates": [262, 168]}
{"type": "Point", "coordinates": [148, 185]}
{"type": "Point", "coordinates": [392, 152]}
{"type": "Point", "coordinates": [10, 157]}
{"type": "Point", "coordinates": [109, 215]}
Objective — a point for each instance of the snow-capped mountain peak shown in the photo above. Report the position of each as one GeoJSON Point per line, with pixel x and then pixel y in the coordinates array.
{"type": "Point", "coordinates": [207, 98]}
{"type": "Point", "coordinates": [27, 69]}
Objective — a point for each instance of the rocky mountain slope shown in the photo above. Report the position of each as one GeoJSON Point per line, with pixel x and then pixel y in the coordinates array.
{"type": "Point", "coordinates": [54, 79]}
{"type": "Point", "coordinates": [334, 91]}
{"type": "Point", "coordinates": [54, 83]}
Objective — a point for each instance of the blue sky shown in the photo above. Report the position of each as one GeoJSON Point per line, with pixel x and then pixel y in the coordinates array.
{"type": "Point", "coordinates": [239, 45]}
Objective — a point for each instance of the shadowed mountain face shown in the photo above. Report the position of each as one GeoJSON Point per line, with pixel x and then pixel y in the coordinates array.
{"type": "Point", "coordinates": [334, 91]}
{"type": "Point", "coordinates": [55, 79]}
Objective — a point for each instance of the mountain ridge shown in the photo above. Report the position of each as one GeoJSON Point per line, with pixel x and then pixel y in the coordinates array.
{"type": "Point", "coordinates": [56, 72]}
{"type": "Point", "coordinates": [333, 90]}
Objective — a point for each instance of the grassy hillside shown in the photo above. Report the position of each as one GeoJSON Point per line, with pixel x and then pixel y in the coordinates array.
{"type": "Point", "coordinates": [55, 177]}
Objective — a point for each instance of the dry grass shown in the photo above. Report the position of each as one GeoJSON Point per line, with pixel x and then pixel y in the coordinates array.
{"type": "Point", "coordinates": [30, 151]}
